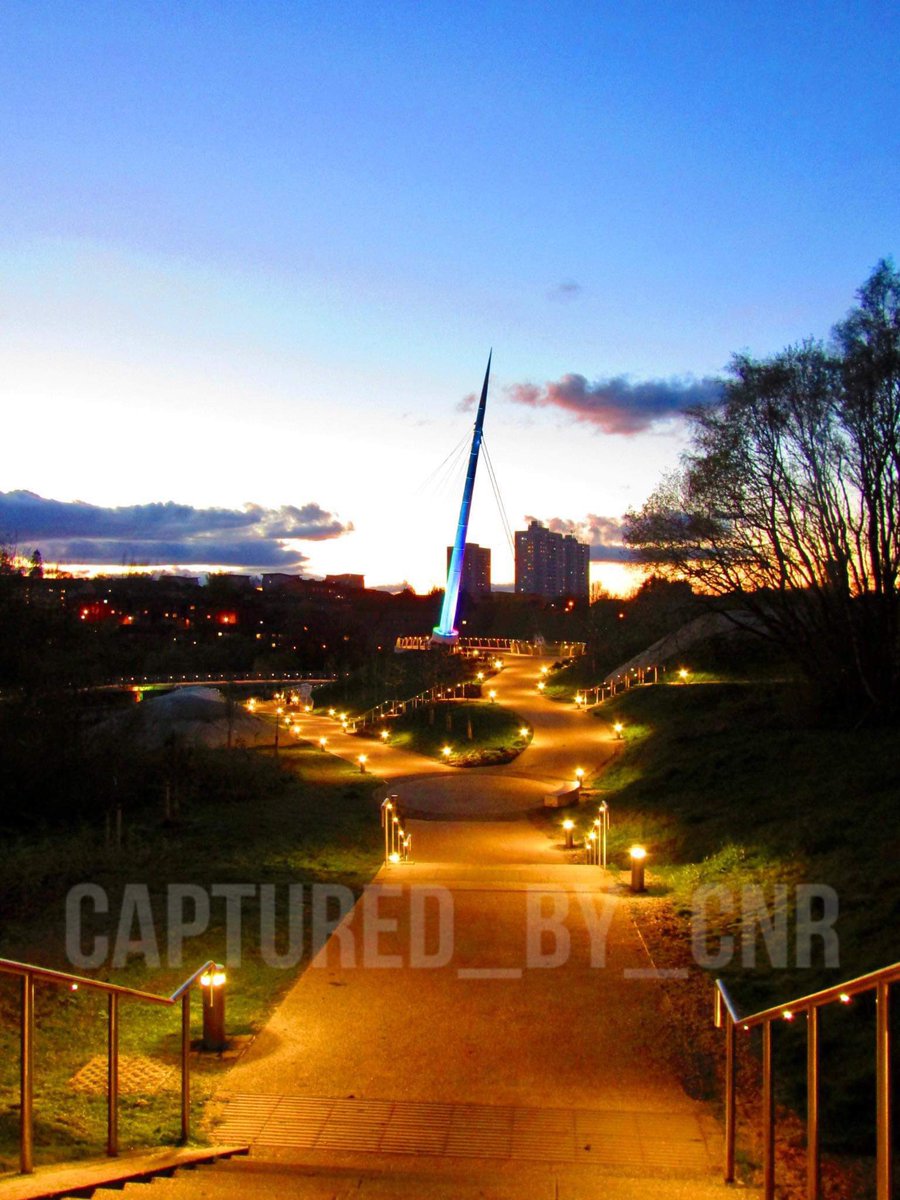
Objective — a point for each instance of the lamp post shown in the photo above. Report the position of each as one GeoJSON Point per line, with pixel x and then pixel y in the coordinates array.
{"type": "Point", "coordinates": [213, 985]}
{"type": "Point", "coordinates": [638, 857]}
{"type": "Point", "coordinates": [569, 828]}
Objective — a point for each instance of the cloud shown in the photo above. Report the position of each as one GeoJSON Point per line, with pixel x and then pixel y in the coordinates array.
{"type": "Point", "coordinates": [617, 405]}
{"type": "Point", "coordinates": [467, 403]}
{"type": "Point", "coordinates": [603, 535]}
{"type": "Point", "coordinates": [565, 291]}
{"type": "Point", "coordinates": [253, 537]}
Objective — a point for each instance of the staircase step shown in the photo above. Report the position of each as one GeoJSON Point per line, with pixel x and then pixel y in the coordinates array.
{"type": "Point", "coordinates": [84, 1179]}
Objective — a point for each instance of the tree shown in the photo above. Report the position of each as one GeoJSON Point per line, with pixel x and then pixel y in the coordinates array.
{"type": "Point", "coordinates": [788, 503]}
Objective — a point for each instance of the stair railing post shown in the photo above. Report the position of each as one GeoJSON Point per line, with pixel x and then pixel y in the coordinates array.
{"type": "Point", "coordinates": [26, 1084]}
{"type": "Point", "coordinates": [730, 1095]}
{"type": "Point", "coordinates": [112, 1076]}
{"type": "Point", "coordinates": [768, 1115]}
{"type": "Point", "coordinates": [884, 1153]}
{"type": "Point", "coordinates": [813, 1172]}
{"type": "Point", "coordinates": [186, 1066]}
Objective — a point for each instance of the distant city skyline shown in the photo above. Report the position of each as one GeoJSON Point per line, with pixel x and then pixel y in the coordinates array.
{"type": "Point", "coordinates": [252, 259]}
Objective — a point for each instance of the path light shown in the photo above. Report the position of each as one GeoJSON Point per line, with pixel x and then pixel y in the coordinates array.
{"type": "Point", "coordinates": [683, 674]}
{"type": "Point", "coordinates": [579, 699]}
{"type": "Point", "coordinates": [638, 857]}
{"type": "Point", "coordinates": [332, 712]}
{"type": "Point", "coordinates": [323, 742]}
{"type": "Point", "coordinates": [447, 751]}
{"type": "Point", "coordinates": [492, 695]}
{"type": "Point", "coordinates": [362, 760]}
{"type": "Point", "coordinates": [213, 984]}
{"type": "Point", "coordinates": [579, 774]}
{"type": "Point", "coordinates": [523, 732]}
{"type": "Point", "coordinates": [618, 729]}
{"type": "Point", "coordinates": [384, 735]}
{"type": "Point", "coordinates": [541, 686]}
{"type": "Point", "coordinates": [569, 827]}
{"type": "Point", "coordinates": [394, 857]}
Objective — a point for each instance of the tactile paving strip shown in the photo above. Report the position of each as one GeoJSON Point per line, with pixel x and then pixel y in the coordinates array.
{"type": "Point", "coordinates": [670, 1142]}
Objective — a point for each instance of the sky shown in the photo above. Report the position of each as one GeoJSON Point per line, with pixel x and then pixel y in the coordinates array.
{"type": "Point", "coordinates": [253, 258]}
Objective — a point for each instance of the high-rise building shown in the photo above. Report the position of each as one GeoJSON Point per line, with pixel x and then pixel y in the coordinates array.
{"type": "Point", "coordinates": [476, 572]}
{"type": "Point", "coordinates": [551, 564]}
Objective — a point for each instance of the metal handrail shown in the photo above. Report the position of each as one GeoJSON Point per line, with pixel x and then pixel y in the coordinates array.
{"type": "Point", "coordinates": [727, 1017]}
{"type": "Point", "coordinates": [32, 974]}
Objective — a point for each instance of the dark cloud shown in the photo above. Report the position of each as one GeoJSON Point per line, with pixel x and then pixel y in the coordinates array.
{"type": "Point", "coordinates": [603, 535]}
{"type": "Point", "coordinates": [617, 405]}
{"type": "Point", "coordinates": [567, 290]}
{"type": "Point", "coordinates": [164, 533]}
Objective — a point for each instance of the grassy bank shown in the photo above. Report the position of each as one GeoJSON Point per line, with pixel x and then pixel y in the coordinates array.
{"type": "Point", "coordinates": [477, 734]}
{"type": "Point", "coordinates": [729, 788]}
{"type": "Point", "coordinates": [309, 819]}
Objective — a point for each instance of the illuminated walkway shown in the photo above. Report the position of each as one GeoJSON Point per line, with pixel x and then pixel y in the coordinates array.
{"type": "Point", "coordinates": [485, 1022]}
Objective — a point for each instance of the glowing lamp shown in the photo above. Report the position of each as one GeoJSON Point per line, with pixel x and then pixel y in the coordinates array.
{"type": "Point", "coordinates": [638, 858]}
{"type": "Point", "coordinates": [384, 735]}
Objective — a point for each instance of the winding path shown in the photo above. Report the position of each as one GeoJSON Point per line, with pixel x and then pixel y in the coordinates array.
{"type": "Point", "coordinates": [485, 1021]}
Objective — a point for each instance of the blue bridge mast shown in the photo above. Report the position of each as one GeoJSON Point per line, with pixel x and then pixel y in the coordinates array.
{"type": "Point", "coordinates": [445, 632]}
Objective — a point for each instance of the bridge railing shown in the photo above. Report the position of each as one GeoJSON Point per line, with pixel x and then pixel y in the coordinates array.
{"type": "Point", "coordinates": [518, 646]}
{"type": "Point", "coordinates": [728, 1018]}
{"type": "Point", "coordinates": [32, 975]}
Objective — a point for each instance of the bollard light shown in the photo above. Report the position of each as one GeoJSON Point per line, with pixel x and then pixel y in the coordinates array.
{"type": "Point", "coordinates": [492, 695]}
{"type": "Point", "coordinates": [569, 827]}
{"type": "Point", "coordinates": [384, 735]}
{"type": "Point", "coordinates": [683, 674]}
{"type": "Point", "coordinates": [638, 857]}
{"type": "Point", "coordinates": [332, 711]}
{"type": "Point", "coordinates": [323, 742]}
{"type": "Point", "coordinates": [579, 775]}
{"type": "Point", "coordinates": [447, 751]}
{"type": "Point", "coordinates": [213, 985]}
{"type": "Point", "coordinates": [618, 729]}
{"type": "Point", "coordinates": [393, 857]}
{"type": "Point", "coordinates": [541, 686]}
{"type": "Point", "coordinates": [362, 760]}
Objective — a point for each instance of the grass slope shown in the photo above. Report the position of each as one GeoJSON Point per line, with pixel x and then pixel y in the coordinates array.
{"type": "Point", "coordinates": [312, 821]}
{"type": "Point", "coordinates": [727, 787]}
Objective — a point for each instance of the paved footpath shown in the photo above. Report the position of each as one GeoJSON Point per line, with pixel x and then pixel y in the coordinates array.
{"type": "Point", "coordinates": [485, 1022]}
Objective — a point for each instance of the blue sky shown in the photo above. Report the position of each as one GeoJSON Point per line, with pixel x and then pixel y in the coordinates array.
{"type": "Point", "coordinates": [257, 254]}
